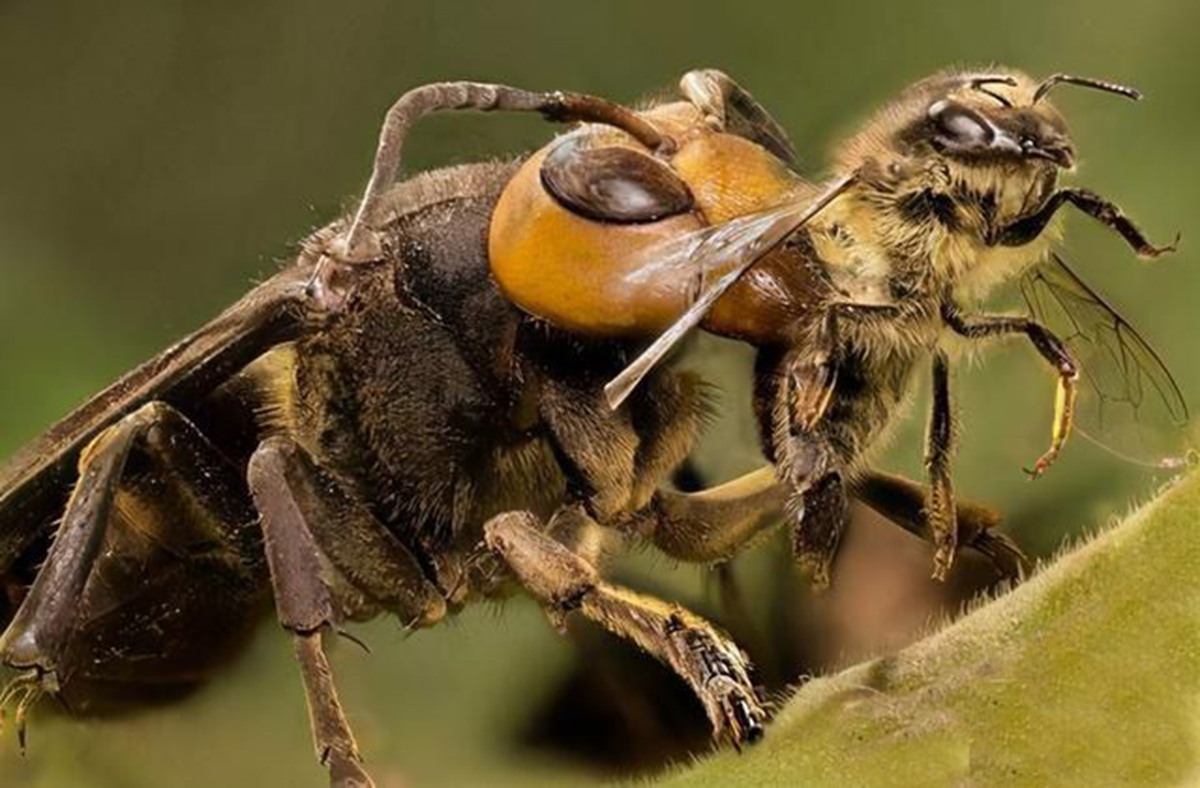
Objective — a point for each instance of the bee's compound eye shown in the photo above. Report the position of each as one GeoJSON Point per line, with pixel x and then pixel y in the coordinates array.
{"type": "Point", "coordinates": [960, 127]}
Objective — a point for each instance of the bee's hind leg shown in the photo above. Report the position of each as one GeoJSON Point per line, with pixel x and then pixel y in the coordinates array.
{"type": "Point", "coordinates": [793, 396]}
{"type": "Point", "coordinates": [820, 509]}
{"type": "Point", "coordinates": [903, 501]}
{"type": "Point", "coordinates": [713, 666]}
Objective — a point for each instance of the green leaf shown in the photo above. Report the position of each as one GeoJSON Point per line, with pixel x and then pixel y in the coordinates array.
{"type": "Point", "coordinates": [1088, 674]}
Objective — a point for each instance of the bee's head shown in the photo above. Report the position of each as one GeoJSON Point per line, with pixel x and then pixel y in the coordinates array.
{"type": "Point", "coordinates": [978, 120]}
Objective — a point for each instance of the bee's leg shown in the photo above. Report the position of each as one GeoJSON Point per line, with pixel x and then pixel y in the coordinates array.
{"type": "Point", "coordinates": [903, 502]}
{"type": "Point", "coordinates": [320, 544]}
{"type": "Point", "coordinates": [730, 107]}
{"type": "Point", "coordinates": [714, 667]}
{"type": "Point", "coordinates": [794, 400]}
{"type": "Point", "coordinates": [1051, 348]}
{"type": "Point", "coordinates": [157, 513]}
{"type": "Point", "coordinates": [939, 449]}
{"type": "Point", "coordinates": [1025, 230]}
{"type": "Point", "coordinates": [360, 244]}
{"type": "Point", "coordinates": [818, 506]}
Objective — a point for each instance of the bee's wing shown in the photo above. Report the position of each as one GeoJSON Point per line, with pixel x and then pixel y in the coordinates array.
{"type": "Point", "coordinates": [35, 482]}
{"type": "Point", "coordinates": [732, 248]}
{"type": "Point", "coordinates": [1129, 404]}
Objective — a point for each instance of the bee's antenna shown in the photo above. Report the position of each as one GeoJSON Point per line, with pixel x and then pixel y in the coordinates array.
{"type": "Point", "coordinates": [1096, 84]}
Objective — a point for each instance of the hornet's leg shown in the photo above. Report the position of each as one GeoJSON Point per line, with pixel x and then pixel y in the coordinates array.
{"type": "Point", "coordinates": [730, 107]}
{"type": "Point", "coordinates": [615, 460]}
{"type": "Point", "coordinates": [319, 542]}
{"type": "Point", "coordinates": [714, 667]}
{"type": "Point", "coordinates": [714, 525]}
{"type": "Point", "coordinates": [668, 412]}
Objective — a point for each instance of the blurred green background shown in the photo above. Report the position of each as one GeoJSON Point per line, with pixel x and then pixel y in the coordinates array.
{"type": "Point", "coordinates": [157, 157]}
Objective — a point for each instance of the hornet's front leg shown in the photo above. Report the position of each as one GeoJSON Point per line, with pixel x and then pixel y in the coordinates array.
{"type": "Point", "coordinates": [1051, 348]}
{"type": "Point", "coordinates": [729, 107]}
{"type": "Point", "coordinates": [712, 665]}
{"type": "Point", "coordinates": [1024, 230]}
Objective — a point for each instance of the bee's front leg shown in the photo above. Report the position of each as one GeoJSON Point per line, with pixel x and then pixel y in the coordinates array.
{"type": "Point", "coordinates": [1026, 229]}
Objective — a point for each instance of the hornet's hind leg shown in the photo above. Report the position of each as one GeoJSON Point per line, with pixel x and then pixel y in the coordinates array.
{"type": "Point", "coordinates": [713, 666]}
{"type": "Point", "coordinates": [155, 577]}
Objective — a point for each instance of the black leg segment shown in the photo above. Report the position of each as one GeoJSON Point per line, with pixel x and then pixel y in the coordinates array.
{"type": "Point", "coordinates": [330, 560]}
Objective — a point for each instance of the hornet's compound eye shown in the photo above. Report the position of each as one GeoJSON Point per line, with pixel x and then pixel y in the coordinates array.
{"type": "Point", "coordinates": [613, 184]}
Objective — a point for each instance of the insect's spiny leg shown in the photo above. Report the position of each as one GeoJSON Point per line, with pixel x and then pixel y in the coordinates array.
{"type": "Point", "coordinates": [711, 664]}
{"type": "Point", "coordinates": [33, 694]}
{"type": "Point", "coordinates": [1064, 418]}
{"type": "Point", "coordinates": [21, 694]}
{"type": "Point", "coordinates": [940, 507]}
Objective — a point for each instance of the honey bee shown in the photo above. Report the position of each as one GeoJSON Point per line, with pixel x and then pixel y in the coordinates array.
{"type": "Point", "coordinates": [947, 192]}
{"type": "Point", "coordinates": [458, 389]}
